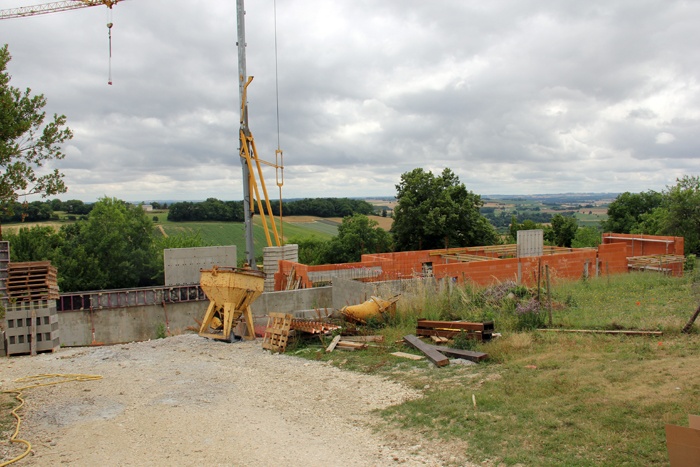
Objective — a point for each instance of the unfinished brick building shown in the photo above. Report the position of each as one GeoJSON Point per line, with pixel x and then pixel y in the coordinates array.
{"type": "Point", "coordinates": [484, 265]}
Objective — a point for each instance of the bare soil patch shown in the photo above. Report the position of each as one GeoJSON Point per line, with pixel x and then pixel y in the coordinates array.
{"type": "Point", "coordinates": [187, 400]}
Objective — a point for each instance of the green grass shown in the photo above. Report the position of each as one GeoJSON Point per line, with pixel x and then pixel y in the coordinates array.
{"type": "Point", "coordinates": [551, 398]}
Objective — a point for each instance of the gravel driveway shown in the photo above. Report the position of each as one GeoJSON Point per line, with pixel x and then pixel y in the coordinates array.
{"type": "Point", "coordinates": [187, 400]}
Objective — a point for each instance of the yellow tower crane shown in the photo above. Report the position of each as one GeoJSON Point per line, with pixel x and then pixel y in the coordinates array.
{"type": "Point", "coordinates": [53, 7]}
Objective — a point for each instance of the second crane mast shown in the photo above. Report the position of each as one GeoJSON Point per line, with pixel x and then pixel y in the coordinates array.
{"type": "Point", "coordinates": [250, 162]}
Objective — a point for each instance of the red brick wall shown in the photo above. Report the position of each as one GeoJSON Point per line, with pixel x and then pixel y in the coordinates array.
{"type": "Point", "coordinates": [647, 245]}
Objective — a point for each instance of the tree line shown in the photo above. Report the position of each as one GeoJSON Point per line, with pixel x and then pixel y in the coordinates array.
{"type": "Point", "coordinates": [37, 211]}
{"type": "Point", "coordinates": [213, 209]}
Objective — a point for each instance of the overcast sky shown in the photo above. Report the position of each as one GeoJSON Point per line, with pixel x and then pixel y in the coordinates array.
{"type": "Point", "coordinates": [516, 97]}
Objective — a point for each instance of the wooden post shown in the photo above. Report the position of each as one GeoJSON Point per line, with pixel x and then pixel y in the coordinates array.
{"type": "Point", "coordinates": [539, 277]}
{"type": "Point", "coordinates": [687, 327]}
{"type": "Point", "coordinates": [549, 294]}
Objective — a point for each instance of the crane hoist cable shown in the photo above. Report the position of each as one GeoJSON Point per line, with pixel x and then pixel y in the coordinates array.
{"type": "Point", "coordinates": [64, 5]}
{"type": "Point", "coordinates": [279, 155]}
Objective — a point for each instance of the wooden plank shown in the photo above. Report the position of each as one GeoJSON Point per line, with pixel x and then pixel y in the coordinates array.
{"type": "Point", "coordinates": [451, 325]}
{"type": "Point", "coordinates": [451, 334]}
{"type": "Point", "coordinates": [459, 353]}
{"type": "Point", "coordinates": [439, 340]}
{"type": "Point", "coordinates": [433, 355]}
{"type": "Point", "coordinates": [363, 338]}
{"type": "Point", "coordinates": [604, 331]}
{"type": "Point", "coordinates": [410, 356]}
{"type": "Point", "coordinates": [354, 345]}
{"type": "Point", "coordinates": [333, 343]}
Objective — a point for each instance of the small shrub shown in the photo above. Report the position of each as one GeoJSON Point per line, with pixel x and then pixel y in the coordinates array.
{"type": "Point", "coordinates": [528, 315]}
{"type": "Point", "coordinates": [155, 218]}
{"type": "Point", "coordinates": [160, 331]}
{"type": "Point", "coordinates": [570, 301]}
{"type": "Point", "coordinates": [689, 264]}
{"type": "Point", "coordinates": [463, 342]}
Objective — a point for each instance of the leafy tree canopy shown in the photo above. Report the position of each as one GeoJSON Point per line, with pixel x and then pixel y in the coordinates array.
{"type": "Point", "coordinates": [113, 248]}
{"type": "Point", "coordinates": [26, 144]}
{"type": "Point", "coordinates": [357, 235]}
{"type": "Point", "coordinates": [438, 211]}
{"type": "Point", "coordinates": [626, 212]}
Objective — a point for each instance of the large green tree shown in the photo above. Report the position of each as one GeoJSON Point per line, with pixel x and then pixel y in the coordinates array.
{"type": "Point", "coordinates": [118, 237]}
{"type": "Point", "coordinates": [357, 235]}
{"type": "Point", "coordinates": [114, 248]}
{"type": "Point", "coordinates": [679, 214]}
{"type": "Point", "coordinates": [628, 209]}
{"type": "Point", "coordinates": [438, 211]}
{"type": "Point", "coordinates": [26, 143]}
{"type": "Point", "coordinates": [564, 229]}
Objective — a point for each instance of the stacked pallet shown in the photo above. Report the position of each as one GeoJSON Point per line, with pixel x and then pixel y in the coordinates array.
{"type": "Point", "coordinates": [31, 327]}
{"type": "Point", "coordinates": [32, 281]}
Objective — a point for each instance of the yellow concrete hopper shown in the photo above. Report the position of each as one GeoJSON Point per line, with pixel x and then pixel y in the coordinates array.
{"type": "Point", "coordinates": [374, 308]}
{"type": "Point", "coordinates": [230, 292]}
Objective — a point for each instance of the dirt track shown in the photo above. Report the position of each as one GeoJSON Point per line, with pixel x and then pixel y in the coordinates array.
{"type": "Point", "coordinates": [187, 400]}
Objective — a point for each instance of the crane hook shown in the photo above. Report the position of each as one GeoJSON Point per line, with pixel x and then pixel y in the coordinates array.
{"type": "Point", "coordinates": [109, 28]}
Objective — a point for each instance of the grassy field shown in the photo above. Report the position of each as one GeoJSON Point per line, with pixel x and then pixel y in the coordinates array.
{"type": "Point", "coordinates": [590, 220]}
{"type": "Point", "coordinates": [233, 233]}
{"type": "Point", "coordinates": [551, 398]}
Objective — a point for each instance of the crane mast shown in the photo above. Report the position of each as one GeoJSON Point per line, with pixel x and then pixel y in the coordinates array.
{"type": "Point", "coordinates": [244, 131]}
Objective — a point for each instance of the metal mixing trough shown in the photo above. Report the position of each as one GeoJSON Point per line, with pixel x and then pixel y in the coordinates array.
{"type": "Point", "coordinates": [230, 292]}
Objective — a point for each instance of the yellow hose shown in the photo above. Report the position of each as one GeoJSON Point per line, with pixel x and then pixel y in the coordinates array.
{"type": "Point", "coordinates": [65, 378]}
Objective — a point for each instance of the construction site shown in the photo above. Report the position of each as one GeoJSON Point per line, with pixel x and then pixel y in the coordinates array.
{"type": "Point", "coordinates": [205, 370]}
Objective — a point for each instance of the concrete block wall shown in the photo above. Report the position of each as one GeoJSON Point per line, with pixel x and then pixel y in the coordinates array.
{"type": "Point", "coordinates": [182, 265]}
{"type": "Point", "coordinates": [31, 321]}
{"type": "Point", "coordinates": [272, 255]}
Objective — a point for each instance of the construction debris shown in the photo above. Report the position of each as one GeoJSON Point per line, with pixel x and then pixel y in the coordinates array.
{"type": "Point", "coordinates": [364, 338]}
{"type": "Point", "coordinates": [277, 332]}
{"type": "Point", "coordinates": [459, 353]}
{"type": "Point", "coordinates": [450, 329]}
{"type": "Point", "coordinates": [351, 345]}
{"type": "Point", "coordinates": [433, 355]}
{"type": "Point", "coordinates": [333, 343]}
{"type": "Point", "coordinates": [313, 327]}
{"type": "Point", "coordinates": [439, 340]}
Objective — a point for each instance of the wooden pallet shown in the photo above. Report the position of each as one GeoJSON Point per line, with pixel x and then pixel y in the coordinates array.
{"type": "Point", "coordinates": [32, 281]}
{"type": "Point", "coordinates": [277, 332]}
